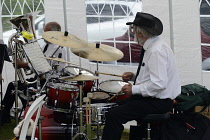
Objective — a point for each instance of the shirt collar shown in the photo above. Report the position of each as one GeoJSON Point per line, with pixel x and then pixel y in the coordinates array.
{"type": "Point", "coordinates": [148, 42]}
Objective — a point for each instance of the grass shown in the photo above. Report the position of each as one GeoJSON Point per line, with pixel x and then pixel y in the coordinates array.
{"type": "Point", "coordinates": [6, 132]}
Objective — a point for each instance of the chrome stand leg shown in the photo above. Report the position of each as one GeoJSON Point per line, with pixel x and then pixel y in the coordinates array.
{"type": "Point", "coordinates": [81, 127]}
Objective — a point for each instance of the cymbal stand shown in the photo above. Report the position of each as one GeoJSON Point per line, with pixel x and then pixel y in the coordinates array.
{"type": "Point", "coordinates": [97, 74]}
{"type": "Point", "coordinates": [16, 78]}
{"type": "Point", "coordinates": [81, 127]}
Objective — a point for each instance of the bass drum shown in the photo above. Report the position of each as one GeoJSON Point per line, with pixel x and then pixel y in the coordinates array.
{"type": "Point", "coordinates": [73, 70]}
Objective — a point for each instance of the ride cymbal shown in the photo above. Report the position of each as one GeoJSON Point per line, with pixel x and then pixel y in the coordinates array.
{"type": "Point", "coordinates": [59, 60]}
{"type": "Point", "coordinates": [98, 52]}
{"type": "Point", "coordinates": [79, 77]}
{"type": "Point", "coordinates": [64, 39]}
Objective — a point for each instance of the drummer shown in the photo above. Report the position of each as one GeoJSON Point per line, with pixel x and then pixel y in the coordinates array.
{"type": "Point", "coordinates": [157, 83]}
{"type": "Point", "coordinates": [49, 50]}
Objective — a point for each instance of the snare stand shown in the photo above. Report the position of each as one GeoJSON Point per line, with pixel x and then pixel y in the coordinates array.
{"type": "Point", "coordinates": [81, 127]}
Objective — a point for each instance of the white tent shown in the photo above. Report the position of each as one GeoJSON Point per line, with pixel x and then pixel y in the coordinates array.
{"type": "Point", "coordinates": [181, 20]}
{"type": "Point", "coordinates": [182, 34]}
{"type": "Point", "coordinates": [181, 29]}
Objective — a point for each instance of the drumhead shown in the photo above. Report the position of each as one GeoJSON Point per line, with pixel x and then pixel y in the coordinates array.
{"type": "Point", "coordinates": [112, 86]}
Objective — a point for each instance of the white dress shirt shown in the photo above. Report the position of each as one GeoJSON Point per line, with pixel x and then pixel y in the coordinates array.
{"type": "Point", "coordinates": [49, 52]}
{"type": "Point", "coordinates": [158, 75]}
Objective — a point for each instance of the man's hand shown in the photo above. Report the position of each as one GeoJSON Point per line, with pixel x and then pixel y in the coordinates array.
{"type": "Point", "coordinates": [127, 76]}
{"type": "Point", "coordinates": [127, 89]}
{"type": "Point", "coordinates": [21, 64]}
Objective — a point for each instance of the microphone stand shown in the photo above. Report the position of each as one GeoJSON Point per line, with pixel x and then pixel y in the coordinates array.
{"type": "Point", "coordinates": [16, 81]}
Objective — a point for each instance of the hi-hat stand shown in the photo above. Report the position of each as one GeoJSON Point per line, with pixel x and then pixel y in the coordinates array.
{"type": "Point", "coordinates": [81, 133]}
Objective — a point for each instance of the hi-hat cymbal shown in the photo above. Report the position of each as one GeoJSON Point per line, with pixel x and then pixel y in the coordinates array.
{"type": "Point", "coordinates": [67, 40]}
{"type": "Point", "coordinates": [59, 60]}
{"type": "Point", "coordinates": [98, 52]}
{"type": "Point", "coordinates": [79, 77]}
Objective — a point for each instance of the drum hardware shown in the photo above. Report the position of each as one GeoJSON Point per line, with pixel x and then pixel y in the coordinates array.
{"type": "Point", "coordinates": [81, 127]}
{"type": "Point", "coordinates": [80, 79]}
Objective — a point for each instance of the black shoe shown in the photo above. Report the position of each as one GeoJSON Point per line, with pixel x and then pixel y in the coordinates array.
{"type": "Point", "coordinates": [5, 118]}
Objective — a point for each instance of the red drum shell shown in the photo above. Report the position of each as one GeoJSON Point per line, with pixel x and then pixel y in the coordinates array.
{"type": "Point", "coordinates": [62, 96]}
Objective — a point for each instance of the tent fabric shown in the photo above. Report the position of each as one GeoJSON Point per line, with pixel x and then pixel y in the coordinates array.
{"type": "Point", "coordinates": [186, 34]}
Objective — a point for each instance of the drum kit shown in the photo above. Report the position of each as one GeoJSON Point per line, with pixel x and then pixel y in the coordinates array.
{"type": "Point", "coordinates": [63, 95]}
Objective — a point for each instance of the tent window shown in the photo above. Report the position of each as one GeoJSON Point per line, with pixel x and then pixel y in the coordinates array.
{"type": "Point", "coordinates": [205, 31]}
{"type": "Point", "coordinates": [14, 8]}
{"type": "Point", "coordinates": [106, 23]}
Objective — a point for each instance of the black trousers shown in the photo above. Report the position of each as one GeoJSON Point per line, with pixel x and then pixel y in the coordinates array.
{"type": "Point", "coordinates": [132, 108]}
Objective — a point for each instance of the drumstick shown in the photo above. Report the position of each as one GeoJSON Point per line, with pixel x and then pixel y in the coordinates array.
{"type": "Point", "coordinates": [86, 100]}
{"type": "Point", "coordinates": [90, 96]}
{"type": "Point", "coordinates": [110, 74]}
{"type": "Point", "coordinates": [86, 112]}
{"type": "Point", "coordinates": [115, 95]}
{"type": "Point", "coordinates": [89, 113]}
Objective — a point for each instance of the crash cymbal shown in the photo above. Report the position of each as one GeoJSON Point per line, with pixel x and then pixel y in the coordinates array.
{"type": "Point", "coordinates": [59, 60]}
{"type": "Point", "coordinates": [98, 52]}
{"type": "Point", "coordinates": [79, 77]}
{"type": "Point", "coordinates": [67, 40]}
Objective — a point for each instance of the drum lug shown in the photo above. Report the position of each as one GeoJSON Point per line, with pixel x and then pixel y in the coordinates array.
{"type": "Point", "coordinates": [55, 102]}
{"type": "Point", "coordinates": [57, 93]}
{"type": "Point", "coordinates": [70, 105]}
{"type": "Point", "coordinates": [72, 96]}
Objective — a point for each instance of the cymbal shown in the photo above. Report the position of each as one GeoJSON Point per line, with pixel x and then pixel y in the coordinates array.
{"type": "Point", "coordinates": [79, 77]}
{"type": "Point", "coordinates": [60, 39]}
{"type": "Point", "coordinates": [101, 53]}
{"type": "Point", "coordinates": [59, 60]}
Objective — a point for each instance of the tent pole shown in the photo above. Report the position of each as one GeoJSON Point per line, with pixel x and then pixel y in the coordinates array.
{"type": "Point", "coordinates": [66, 28]}
{"type": "Point", "coordinates": [171, 24]}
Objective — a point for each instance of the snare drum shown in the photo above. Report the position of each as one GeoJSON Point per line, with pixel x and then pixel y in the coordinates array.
{"type": "Point", "coordinates": [62, 96]}
{"type": "Point", "coordinates": [73, 70]}
{"type": "Point", "coordinates": [112, 87]}
{"type": "Point", "coordinates": [97, 112]}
